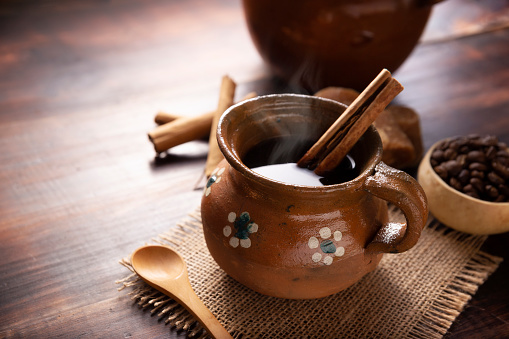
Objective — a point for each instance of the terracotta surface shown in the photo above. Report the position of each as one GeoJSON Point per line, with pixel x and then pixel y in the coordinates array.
{"type": "Point", "coordinates": [295, 241]}
{"type": "Point", "coordinates": [323, 43]}
{"type": "Point", "coordinates": [458, 210]}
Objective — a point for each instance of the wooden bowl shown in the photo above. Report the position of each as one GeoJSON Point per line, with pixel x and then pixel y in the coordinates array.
{"type": "Point", "coordinates": [457, 210]}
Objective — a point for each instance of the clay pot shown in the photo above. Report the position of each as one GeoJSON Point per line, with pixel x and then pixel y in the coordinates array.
{"type": "Point", "coordinates": [295, 241]}
{"type": "Point", "coordinates": [345, 43]}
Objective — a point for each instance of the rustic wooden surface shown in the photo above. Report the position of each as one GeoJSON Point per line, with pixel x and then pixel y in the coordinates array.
{"type": "Point", "coordinates": [80, 83]}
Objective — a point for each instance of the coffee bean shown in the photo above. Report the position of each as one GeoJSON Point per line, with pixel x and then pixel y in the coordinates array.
{"type": "Point", "coordinates": [438, 155]}
{"type": "Point", "coordinates": [500, 169]}
{"type": "Point", "coordinates": [490, 140]}
{"type": "Point", "coordinates": [478, 166]}
{"type": "Point", "coordinates": [503, 154]}
{"type": "Point", "coordinates": [454, 145]}
{"type": "Point", "coordinates": [441, 171]}
{"type": "Point", "coordinates": [502, 157]}
{"type": "Point", "coordinates": [476, 156]}
{"type": "Point", "coordinates": [462, 160]}
{"type": "Point", "coordinates": [452, 166]}
{"type": "Point", "coordinates": [478, 184]}
{"type": "Point", "coordinates": [477, 174]}
{"type": "Point", "coordinates": [491, 191]}
{"type": "Point", "coordinates": [464, 176]}
{"type": "Point", "coordinates": [443, 145]}
{"type": "Point", "coordinates": [476, 144]}
{"type": "Point", "coordinates": [469, 188]}
{"type": "Point", "coordinates": [464, 149]}
{"type": "Point", "coordinates": [494, 178]}
{"type": "Point", "coordinates": [450, 154]}
{"type": "Point", "coordinates": [455, 183]}
{"type": "Point", "coordinates": [491, 152]}
{"type": "Point", "coordinates": [472, 137]}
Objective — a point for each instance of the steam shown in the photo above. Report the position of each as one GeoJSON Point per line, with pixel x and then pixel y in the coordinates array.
{"type": "Point", "coordinates": [288, 149]}
{"type": "Point", "coordinates": [308, 73]}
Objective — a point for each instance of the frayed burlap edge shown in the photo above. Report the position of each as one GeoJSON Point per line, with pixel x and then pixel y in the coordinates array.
{"type": "Point", "coordinates": [450, 303]}
{"type": "Point", "coordinates": [159, 304]}
{"type": "Point", "coordinates": [434, 322]}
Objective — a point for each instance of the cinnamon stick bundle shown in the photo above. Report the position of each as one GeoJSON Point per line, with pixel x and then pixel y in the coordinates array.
{"type": "Point", "coordinates": [328, 152]}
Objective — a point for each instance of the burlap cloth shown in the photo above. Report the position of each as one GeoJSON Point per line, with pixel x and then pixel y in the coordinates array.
{"type": "Point", "coordinates": [416, 294]}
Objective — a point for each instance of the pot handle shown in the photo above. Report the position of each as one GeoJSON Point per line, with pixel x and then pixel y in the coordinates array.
{"type": "Point", "coordinates": [402, 190]}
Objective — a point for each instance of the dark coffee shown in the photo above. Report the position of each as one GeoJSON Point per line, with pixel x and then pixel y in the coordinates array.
{"type": "Point", "coordinates": [276, 159]}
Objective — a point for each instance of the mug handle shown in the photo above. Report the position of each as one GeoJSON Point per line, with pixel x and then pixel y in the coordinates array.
{"type": "Point", "coordinates": [402, 190]}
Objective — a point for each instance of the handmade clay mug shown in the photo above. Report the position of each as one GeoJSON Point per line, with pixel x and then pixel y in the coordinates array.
{"type": "Point", "coordinates": [296, 241]}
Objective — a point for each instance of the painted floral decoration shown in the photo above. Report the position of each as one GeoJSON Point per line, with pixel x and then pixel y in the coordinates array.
{"type": "Point", "coordinates": [243, 227]}
{"type": "Point", "coordinates": [214, 178]}
{"type": "Point", "coordinates": [326, 247]}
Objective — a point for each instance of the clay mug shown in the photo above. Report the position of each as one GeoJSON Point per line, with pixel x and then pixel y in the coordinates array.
{"type": "Point", "coordinates": [296, 241]}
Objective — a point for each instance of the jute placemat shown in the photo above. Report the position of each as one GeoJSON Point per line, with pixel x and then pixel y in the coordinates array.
{"type": "Point", "coordinates": [416, 294]}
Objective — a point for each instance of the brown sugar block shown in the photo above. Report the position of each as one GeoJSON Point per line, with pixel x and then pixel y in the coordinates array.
{"type": "Point", "coordinates": [409, 122]}
{"type": "Point", "coordinates": [398, 150]}
{"type": "Point", "coordinates": [343, 95]}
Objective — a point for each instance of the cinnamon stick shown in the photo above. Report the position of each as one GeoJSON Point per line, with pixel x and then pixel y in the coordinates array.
{"type": "Point", "coordinates": [180, 129]}
{"type": "Point", "coordinates": [225, 101]}
{"type": "Point", "coordinates": [162, 118]}
{"type": "Point", "coordinates": [328, 152]}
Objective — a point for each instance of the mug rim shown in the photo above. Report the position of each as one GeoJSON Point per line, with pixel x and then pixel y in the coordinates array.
{"type": "Point", "coordinates": [237, 163]}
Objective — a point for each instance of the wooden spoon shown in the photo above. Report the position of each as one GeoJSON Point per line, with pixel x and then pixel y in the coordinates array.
{"type": "Point", "coordinates": [165, 270]}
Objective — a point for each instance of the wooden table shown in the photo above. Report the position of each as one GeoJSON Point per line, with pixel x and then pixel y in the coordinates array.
{"type": "Point", "coordinates": [80, 188]}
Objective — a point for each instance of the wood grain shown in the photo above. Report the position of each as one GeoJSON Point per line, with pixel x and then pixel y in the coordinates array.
{"type": "Point", "coordinates": [80, 187]}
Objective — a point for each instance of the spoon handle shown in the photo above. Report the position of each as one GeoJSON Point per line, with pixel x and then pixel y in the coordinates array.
{"type": "Point", "coordinates": [188, 299]}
